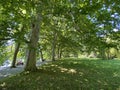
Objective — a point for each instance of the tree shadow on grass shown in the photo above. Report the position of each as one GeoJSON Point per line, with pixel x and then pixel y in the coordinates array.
{"type": "Point", "coordinates": [69, 75]}
{"type": "Point", "coordinates": [91, 74]}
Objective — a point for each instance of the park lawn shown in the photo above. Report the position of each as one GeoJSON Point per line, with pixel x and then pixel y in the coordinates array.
{"type": "Point", "coordinates": [68, 74]}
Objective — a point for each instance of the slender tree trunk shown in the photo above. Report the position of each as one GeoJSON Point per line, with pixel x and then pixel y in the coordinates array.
{"type": "Point", "coordinates": [60, 54]}
{"type": "Point", "coordinates": [32, 46]}
{"type": "Point", "coordinates": [54, 46]}
{"type": "Point", "coordinates": [41, 54]}
{"type": "Point", "coordinates": [108, 54]}
{"type": "Point", "coordinates": [17, 46]}
{"type": "Point", "coordinates": [102, 51]}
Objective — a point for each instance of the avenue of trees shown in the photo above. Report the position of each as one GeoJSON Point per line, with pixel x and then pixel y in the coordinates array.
{"type": "Point", "coordinates": [54, 29]}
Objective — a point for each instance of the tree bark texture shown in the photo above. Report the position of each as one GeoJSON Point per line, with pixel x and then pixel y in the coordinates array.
{"type": "Point", "coordinates": [32, 46]}
{"type": "Point", "coordinates": [17, 46]}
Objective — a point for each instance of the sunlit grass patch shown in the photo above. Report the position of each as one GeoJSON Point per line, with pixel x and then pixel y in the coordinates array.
{"type": "Point", "coordinates": [68, 75]}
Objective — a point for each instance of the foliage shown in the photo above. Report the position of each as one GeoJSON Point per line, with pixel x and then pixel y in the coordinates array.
{"type": "Point", "coordinates": [5, 53]}
{"type": "Point", "coordinates": [80, 26]}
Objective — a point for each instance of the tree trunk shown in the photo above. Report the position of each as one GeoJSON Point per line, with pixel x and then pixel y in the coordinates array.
{"type": "Point", "coordinates": [32, 46]}
{"type": "Point", "coordinates": [103, 53]}
{"type": "Point", "coordinates": [41, 54]}
{"type": "Point", "coordinates": [17, 46]}
{"type": "Point", "coordinates": [108, 54]}
{"type": "Point", "coordinates": [60, 54]}
{"type": "Point", "coordinates": [54, 46]}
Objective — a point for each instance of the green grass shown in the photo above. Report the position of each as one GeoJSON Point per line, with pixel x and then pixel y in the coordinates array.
{"type": "Point", "coordinates": [68, 75]}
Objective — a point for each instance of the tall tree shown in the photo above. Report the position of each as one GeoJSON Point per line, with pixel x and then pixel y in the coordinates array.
{"type": "Point", "coordinates": [17, 46]}
{"type": "Point", "coordinates": [32, 46]}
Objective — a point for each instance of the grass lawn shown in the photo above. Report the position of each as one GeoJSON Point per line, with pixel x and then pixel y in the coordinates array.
{"type": "Point", "coordinates": [68, 74]}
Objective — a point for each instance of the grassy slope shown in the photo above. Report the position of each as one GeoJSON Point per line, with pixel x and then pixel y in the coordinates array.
{"type": "Point", "coordinates": [68, 75]}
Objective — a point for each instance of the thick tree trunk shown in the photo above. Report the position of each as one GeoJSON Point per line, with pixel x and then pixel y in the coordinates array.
{"type": "Point", "coordinates": [54, 46]}
{"type": "Point", "coordinates": [32, 46]}
{"type": "Point", "coordinates": [15, 55]}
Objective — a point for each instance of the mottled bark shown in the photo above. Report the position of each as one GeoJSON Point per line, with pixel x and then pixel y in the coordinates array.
{"type": "Point", "coordinates": [17, 46]}
{"type": "Point", "coordinates": [32, 46]}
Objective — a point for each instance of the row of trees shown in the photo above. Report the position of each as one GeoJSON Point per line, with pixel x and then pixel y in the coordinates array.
{"type": "Point", "coordinates": [58, 28]}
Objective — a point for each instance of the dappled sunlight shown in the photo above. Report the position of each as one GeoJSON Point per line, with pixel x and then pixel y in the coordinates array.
{"type": "Point", "coordinates": [59, 68]}
{"type": "Point", "coordinates": [81, 73]}
{"type": "Point", "coordinates": [118, 88]}
{"type": "Point", "coordinates": [99, 81]}
{"type": "Point", "coordinates": [49, 65]}
{"type": "Point", "coordinates": [26, 72]}
{"type": "Point", "coordinates": [72, 71]}
{"type": "Point", "coordinates": [63, 69]}
{"type": "Point", "coordinates": [53, 65]}
{"type": "Point", "coordinates": [105, 83]}
{"type": "Point", "coordinates": [3, 84]}
{"type": "Point", "coordinates": [86, 74]}
{"type": "Point", "coordinates": [115, 74]}
{"type": "Point", "coordinates": [76, 62]}
{"type": "Point", "coordinates": [86, 80]}
{"type": "Point", "coordinates": [67, 70]}
{"type": "Point", "coordinates": [60, 63]}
